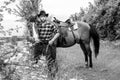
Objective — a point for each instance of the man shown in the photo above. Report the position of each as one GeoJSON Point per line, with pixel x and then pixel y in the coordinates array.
{"type": "Point", "coordinates": [48, 33]}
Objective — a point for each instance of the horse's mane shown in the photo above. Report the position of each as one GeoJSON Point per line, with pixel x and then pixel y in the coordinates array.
{"type": "Point", "coordinates": [67, 21]}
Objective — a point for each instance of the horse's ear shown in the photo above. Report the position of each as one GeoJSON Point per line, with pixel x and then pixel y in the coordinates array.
{"type": "Point", "coordinates": [55, 18]}
{"type": "Point", "coordinates": [68, 21]}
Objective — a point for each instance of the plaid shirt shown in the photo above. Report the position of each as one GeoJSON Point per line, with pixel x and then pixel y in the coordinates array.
{"type": "Point", "coordinates": [46, 30]}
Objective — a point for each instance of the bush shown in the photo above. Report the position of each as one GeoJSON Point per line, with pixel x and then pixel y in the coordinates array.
{"type": "Point", "coordinates": [105, 16]}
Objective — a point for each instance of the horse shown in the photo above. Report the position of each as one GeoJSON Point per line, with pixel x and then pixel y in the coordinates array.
{"type": "Point", "coordinates": [83, 34]}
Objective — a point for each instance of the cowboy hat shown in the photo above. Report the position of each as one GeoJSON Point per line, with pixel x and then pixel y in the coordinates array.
{"type": "Point", "coordinates": [42, 13]}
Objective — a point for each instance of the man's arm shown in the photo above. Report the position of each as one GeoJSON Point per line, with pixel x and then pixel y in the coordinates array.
{"type": "Point", "coordinates": [56, 32]}
{"type": "Point", "coordinates": [55, 37]}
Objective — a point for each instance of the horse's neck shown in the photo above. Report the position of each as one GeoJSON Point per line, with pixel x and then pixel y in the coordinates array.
{"type": "Point", "coordinates": [75, 26]}
{"type": "Point", "coordinates": [63, 24]}
{"type": "Point", "coordinates": [34, 31]}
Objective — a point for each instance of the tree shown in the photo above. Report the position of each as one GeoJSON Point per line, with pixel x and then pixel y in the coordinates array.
{"type": "Point", "coordinates": [105, 16]}
{"type": "Point", "coordinates": [4, 8]}
{"type": "Point", "coordinates": [27, 10]}
{"type": "Point", "coordinates": [78, 16]}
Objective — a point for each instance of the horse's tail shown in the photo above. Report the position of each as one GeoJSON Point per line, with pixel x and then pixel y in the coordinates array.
{"type": "Point", "coordinates": [96, 40]}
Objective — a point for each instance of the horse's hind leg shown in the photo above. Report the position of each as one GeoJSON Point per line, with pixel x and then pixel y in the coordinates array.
{"type": "Point", "coordinates": [87, 46]}
{"type": "Point", "coordinates": [85, 52]}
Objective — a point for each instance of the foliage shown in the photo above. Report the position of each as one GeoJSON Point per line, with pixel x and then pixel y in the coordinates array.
{"type": "Point", "coordinates": [16, 62]}
{"type": "Point", "coordinates": [78, 16]}
{"type": "Point", "coordinates": [5, 8]}
{"type": "Point", "coordinates": [105, 16]}
{"type": "Point", "coordinates": [28, 8]}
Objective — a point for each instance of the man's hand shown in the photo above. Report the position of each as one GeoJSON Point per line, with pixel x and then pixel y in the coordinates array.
{"type": "Point", "coordinates": [37, 40]}
{"type": "Point", "coordinates": [50, 42]}
{"type": "Point", "coordinates": [30, 39]}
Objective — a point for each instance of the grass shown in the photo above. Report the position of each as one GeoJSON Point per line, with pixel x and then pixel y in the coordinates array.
{"type": "Point", "coordinates": [70, 61]}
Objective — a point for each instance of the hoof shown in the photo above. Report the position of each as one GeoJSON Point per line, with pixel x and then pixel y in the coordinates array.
{"type": "Point", "coordinates": [86, 65]}
{"type": "Point", "coordinates": [89, 68]}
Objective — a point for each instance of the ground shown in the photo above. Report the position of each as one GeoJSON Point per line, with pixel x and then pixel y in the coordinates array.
{"type": "Point", "coordinates": [105, 67]}
{"type": "Point", "coordinates": [18, 60]}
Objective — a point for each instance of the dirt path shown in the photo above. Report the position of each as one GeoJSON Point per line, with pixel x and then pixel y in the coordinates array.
{"type": "Point", "coordinates": [105, 67]}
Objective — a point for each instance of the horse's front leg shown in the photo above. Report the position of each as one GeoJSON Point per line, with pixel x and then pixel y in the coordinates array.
{"type": "Point", "coordinates": [90, 58]}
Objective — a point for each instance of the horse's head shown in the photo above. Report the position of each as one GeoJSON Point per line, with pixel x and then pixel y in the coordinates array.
{"type": "Point", "coordinates": [68, 21]}
{"type": "Point", "coordinates": [63, 30]}
{"type": "Point", "coordinates": [56, 20]}
{"type": "Point", "coordinates": [60, 23]}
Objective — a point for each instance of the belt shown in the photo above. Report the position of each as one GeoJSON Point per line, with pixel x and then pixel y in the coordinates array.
{"type": "Point", "coordinates": [41, 42]}
{"type": "Point", "coordinates": [44, 41]}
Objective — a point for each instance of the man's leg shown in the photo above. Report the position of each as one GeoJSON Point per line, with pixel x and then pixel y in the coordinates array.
{"type": "Point", "coordinates": [51, 61]}
{"type": "Point", "coordinates": [37, 51]}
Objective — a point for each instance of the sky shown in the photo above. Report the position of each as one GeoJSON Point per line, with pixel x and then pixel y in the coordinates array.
{"type": "Point", "coordinates": [61, 9]}
{"type": "Point", "coordinates": [9, 20]}
{"type": "Point", "coordinates": [64, 8]}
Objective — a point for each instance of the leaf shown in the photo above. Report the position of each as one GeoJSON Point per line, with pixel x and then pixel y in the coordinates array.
{"type": "Point", "coordinates": [21, 20]}
{"type": "Point", "coordinates": [12, 0]}
{"type": "Point", "coordinates": [3, 7]}
{"type": "Point", "coordinates": [1, 19]}
{"type": "Point", "coordinates": [1, 10]}
{"type": "Point", "coordinates": [9, 10]}
{"type": "Point", "coordinates": [17, 13]}
{"type": "Point", "coordinates": [6, 3]}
